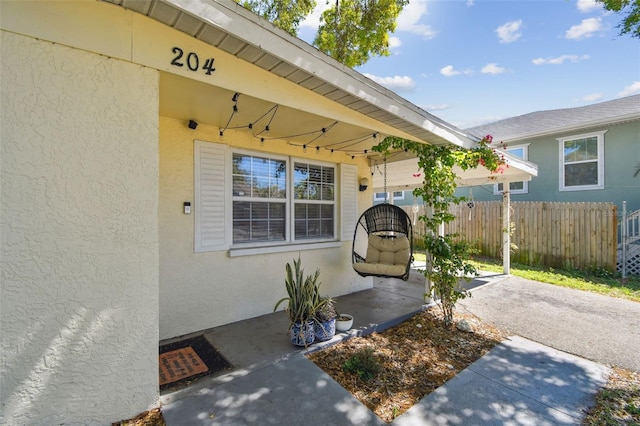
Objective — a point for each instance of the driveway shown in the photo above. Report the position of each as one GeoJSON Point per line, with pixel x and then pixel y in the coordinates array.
{"type": "Point", "coordinates": [600, 328]}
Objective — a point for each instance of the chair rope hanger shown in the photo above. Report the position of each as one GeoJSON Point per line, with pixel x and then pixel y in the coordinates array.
{"type": "Point", "coordinates": [383, 240]}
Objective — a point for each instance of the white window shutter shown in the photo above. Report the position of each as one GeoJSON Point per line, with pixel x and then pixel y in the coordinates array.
{"type": "Point", "coordinates": [210, 196]}
{"type": "Point", "coordinates": [348, 200]}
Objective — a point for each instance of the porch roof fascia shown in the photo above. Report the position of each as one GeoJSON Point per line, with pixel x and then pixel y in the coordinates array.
{"type": "Point", "coordinates": [400, 174]}
{"type": "Point", "coordinates": [312, 68]}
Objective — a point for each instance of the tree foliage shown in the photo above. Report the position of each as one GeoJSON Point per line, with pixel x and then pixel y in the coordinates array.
{"type": "Point", "coordinates": [284, 14]}
{"type": "Point", "coordinates": [630, 9]}
{"type": "Point", "coordinates": [351, 31]}
{"type": "Point", "coordinates": [354, 30]}
{"type": "Point", "coordinates": [449, 254]}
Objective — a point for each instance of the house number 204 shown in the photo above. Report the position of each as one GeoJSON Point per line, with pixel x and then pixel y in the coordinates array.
{"type": "Point", "coordinates": [192, 61]}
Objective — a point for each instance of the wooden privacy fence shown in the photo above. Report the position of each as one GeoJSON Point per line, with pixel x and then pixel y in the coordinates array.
{"type": "Point", "coordinates": [576, 235]}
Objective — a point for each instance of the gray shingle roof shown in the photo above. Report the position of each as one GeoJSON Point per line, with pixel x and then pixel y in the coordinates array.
{"type": "Point", "coordinates": [561, 120]}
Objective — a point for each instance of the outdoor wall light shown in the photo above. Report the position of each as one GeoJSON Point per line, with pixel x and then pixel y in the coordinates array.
{"type": "Point", "coordinates": [193, 124]}
{"type": "Point", "coordinates": [364, 183]}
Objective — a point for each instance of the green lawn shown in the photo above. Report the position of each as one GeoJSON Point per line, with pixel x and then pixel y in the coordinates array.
{"type": "Point", "coordinates": [598, 281]}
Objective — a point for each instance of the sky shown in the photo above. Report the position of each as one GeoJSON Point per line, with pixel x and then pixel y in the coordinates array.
{"type": "Point", "coordinates": [472, 62]}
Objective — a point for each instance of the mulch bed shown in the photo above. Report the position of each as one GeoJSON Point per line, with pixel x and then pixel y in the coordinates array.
{"type": "Point", "coordinates": [413, 359]}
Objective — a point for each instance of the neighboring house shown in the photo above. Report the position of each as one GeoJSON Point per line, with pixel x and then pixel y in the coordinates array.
{"type": "Point", "coordinates": [161, 162]}
{"type": "Point", "coordinates": [586, 154]}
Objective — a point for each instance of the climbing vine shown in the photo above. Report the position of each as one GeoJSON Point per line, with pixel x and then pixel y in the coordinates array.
{"type": "Point", "coordinates": [449, 254]}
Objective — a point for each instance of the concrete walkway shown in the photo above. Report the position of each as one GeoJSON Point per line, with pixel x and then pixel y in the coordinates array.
{"type": "Point", "coordinates": [597, 327]}
{"type": "Point", "coordinates": [519, 382]}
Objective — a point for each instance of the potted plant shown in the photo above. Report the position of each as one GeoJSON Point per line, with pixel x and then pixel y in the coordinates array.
{"type": "Point", "coordinates": [325, 318]}
{"type": "Point", "coordinates": [344, 322]}
{"type": "Point", "coordinates": [302, 302]}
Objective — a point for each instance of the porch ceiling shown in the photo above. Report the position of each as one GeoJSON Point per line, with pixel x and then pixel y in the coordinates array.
{"type": "Point", "coordinates": [187, 99]}
{"type": "Point", "coordinates": [228, 26]}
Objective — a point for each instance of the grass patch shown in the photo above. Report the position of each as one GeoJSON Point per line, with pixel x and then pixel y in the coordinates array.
{"type": "Point", "coordinates": [597, 281]}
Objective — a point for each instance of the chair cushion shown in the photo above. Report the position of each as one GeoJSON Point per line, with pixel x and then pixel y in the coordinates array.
{"type": "Point", "coordinates": [388, 251]}
{"type": "Point", "coordinates": [379, 269]}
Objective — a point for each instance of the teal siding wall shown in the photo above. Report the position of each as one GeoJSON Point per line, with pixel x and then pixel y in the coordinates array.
{"type": "Point", "coordinates": [621, 157]}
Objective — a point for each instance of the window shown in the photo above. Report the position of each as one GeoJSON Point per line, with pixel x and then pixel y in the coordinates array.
{"type": "Point", "coordinates": [582, 162]}
{"type": "Point", "coordinates": [259, 198]}
{"type": "Point", "coordinates": [520, 151]}
{"type": "Point", "coordinates": [380, 196]}
{"type": "Point", "coordinates": [314, 212]}
{"type": "Point", "coordinates": [254, 202]}
{"type": "Point", "coordinates": [260, 201]}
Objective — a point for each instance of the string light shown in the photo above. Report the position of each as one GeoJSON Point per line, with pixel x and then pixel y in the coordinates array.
{"type": "Point", "coordinates": [322, 132]}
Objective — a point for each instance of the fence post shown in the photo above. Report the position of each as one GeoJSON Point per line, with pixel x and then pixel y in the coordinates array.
{"type": "Point", "coordinates": [506, 236]}
{"type": "Point", "coordinates": [623, 239]}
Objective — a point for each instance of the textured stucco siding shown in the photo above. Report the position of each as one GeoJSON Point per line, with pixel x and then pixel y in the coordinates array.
{"type": "Point", "coordinates": [203, 290]}
{"type": "Point", "coordinates": [79, 235]}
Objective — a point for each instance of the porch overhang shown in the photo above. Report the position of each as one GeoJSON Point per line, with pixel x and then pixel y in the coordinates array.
{"type": "Point", "coordinates": [405, 174]}
{"type": "Point", "coordinates": [237, 31]}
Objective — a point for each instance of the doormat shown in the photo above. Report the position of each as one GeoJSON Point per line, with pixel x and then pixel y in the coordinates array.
{"type": "Point", "coordinates": [187, 360]}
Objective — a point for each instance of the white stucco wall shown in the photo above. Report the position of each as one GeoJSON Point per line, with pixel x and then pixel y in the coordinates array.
{"type": "Point", "coordinates": [79, 235]}
{"type": "Point", "coordinates": [203, 290]}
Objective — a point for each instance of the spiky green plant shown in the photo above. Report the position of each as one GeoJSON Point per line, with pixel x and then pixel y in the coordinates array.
{"type": "Point", "coordinates": [303, 293]}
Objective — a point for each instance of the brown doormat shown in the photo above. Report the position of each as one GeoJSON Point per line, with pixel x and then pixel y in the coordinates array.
{"type": "Point", "coordinates": [187, 360]}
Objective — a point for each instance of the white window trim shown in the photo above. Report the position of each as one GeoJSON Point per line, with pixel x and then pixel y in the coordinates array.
{"type": "Point", "coordinates": [525, 186]}
{"type": "Point", "coordinates": [600, 184]}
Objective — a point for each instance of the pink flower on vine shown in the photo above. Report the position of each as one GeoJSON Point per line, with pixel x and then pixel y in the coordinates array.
{"type": "Point", "coordinates": [489, 138]}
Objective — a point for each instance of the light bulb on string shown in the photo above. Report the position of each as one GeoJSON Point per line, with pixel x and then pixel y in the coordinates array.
{"type": "Point", "coordinates": [317, 150]}
{"type": "Point", "coordinates": [250, 128]}
{"type": "Point", "coordinates": [304, 148]}
{"type": "Point", "coordinates": [267, 131]}
{"type": "Point", "coordinates": [261, 141]}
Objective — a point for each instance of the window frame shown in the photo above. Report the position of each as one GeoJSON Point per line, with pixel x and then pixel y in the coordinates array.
{"type": "Point", "coordinates": [525, 184]}
{"type": "Point", "coordinates": [290, 201]}
{"type": "Point", "coordinates": [600, 162]}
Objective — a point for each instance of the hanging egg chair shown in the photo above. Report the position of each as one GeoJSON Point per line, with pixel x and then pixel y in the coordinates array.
{"type": "Point", "coordinates": [383, 243]}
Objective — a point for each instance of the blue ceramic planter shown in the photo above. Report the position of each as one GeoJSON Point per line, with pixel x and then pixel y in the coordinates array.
{"type": "Point", "coordinates": [303, 334]}
{"type": "Point", "coordinates": [325, 330]}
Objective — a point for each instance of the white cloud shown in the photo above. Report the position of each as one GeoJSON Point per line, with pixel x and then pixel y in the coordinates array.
{"type": "Point", "coordinates": [559, 59]}
{"type": "Point", "coordinates": [470, 3]}
{"type": "Point", "coordinates": [394, 42]}
{"type": "Point", "coordinates": [585, 29]}
{"type": "Point", "coordinates": [585, 6]}
{"type": "Point", "coordinates": [409, 19]}
{"type": "Point", "coordinates": [593, 97]}
{"type": "Point", "coordinates": [396, 83]}
{"type": "Point", "coordinates": [492, 68]}
{"type": "Point", "coordinates": [509, 32]}
{"type": "Point", "coordinates": [313, 19]}
{"type": "Point", "coordinates": [448, 71]}
{"type": "Point", "coordinates": [632, 89]}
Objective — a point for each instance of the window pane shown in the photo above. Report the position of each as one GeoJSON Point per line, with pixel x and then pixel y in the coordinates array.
{"type": "Point", "coordinates": [516, 186]}
{"type": "Point", "coordinates": [241, 210]}
{"type": "Point", "coordinates": [581, 174]}
{"type": "Point", "coordinates": [258, 221]}
{"type": "Point", "coordinates": [313, 221]}
{"type": "Point", "coordinates": [518, 152]}
{"type": "Point", "coordinates": [581, 150]}
{"type": "Point", "coordinates": [326, 228]}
